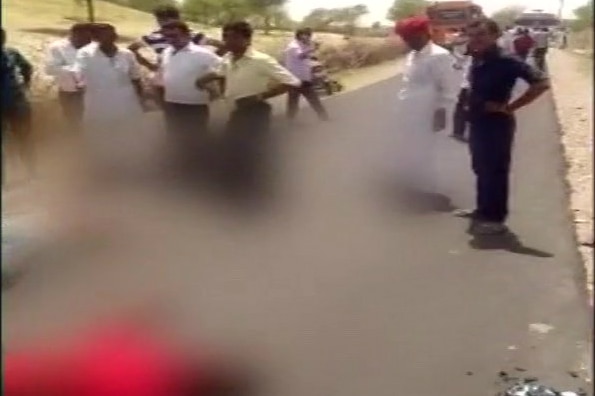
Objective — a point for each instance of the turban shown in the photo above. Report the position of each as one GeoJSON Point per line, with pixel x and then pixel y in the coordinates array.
{"type": "Point", "coordinates": [413, 25]}
{"type": "Point", "coordinates": [117, 362]}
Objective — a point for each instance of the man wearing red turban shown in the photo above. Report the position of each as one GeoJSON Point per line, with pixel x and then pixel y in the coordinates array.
{"type": "Point", "coordinates": [428, 92]}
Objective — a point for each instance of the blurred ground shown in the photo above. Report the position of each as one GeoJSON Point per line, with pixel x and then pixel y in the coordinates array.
{"type": "Point", "coordinates": [330, 289]}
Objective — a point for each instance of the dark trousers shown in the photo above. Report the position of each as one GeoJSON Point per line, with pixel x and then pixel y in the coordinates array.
{"type": "Point", "coordinates": [17, 122]}
{"type": "Point", "coordinates": [490, 143]}
{"type": "Point", "coordinates": [186, 119]}
{"type": "Point", "coordinates": [187, 128]}
{"type": "Point", "coordinates": [540, 54]}
{"type": "Point", "coordinates": [307, 91]}
{"type": "Point", "coordinates": [460, 115]}
{"type": "Point", "coordinates": [246, 148]}
{"type": "Point", "coordinates": [72, 109]}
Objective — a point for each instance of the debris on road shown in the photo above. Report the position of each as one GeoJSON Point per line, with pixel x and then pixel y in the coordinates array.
{"type": "Point", "coordinates": [538, 390]}
{"type": "Point", "coordinates": [540, 328]}
{"type": "Point", "coordinates": [530, 386]}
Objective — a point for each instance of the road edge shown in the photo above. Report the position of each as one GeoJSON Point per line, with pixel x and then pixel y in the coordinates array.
{"type": "Point", "coordinates": [584, 254]}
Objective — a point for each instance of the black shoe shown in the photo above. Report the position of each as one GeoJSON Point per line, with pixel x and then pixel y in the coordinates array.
{"type": "Point", "coordinates": [487, 228]}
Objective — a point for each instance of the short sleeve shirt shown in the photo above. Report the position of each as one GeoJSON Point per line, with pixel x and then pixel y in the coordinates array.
{"type": "Point", "coordinates": [492, 79]}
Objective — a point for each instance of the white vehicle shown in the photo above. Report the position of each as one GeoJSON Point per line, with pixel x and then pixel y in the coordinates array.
{"type": "Point", "coordinates": [537, 19]}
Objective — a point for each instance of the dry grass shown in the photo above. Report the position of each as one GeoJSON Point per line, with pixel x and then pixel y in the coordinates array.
{"type": "Point", "coordinates": [32, 24]}
{"type": "Point", "coordinates": [582, 41]}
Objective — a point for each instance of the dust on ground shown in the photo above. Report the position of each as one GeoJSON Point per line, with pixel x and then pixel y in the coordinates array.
{"type": "Point", "coordinates": [572, 80]}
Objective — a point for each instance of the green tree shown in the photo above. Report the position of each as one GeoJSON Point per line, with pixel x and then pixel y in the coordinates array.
{"type": "Point", "coordinates": [265, 9]}
{"type": "Point", "coordinates": [346, 17]}
{"type": "Point", "coordinates": [507, 15]}
{"type": "Point", "coordinates": [584, 17]}
{"type": "Point", "coordinates": [319, 19]}
{"type": "Point", "coordinates": [216, 12]}
{"type": "Point", "coordinates": [405, 8]}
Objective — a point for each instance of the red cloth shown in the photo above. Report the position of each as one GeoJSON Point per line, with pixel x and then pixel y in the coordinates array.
{"type": "Point", "coordinates": [523, 44]}
{"type": "Point", "coordinates": [114, 363]}
{"type": "Point", "coordinates": [413, 25]}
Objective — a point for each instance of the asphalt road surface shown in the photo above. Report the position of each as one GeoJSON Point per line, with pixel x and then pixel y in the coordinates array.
{"type": "Point", "coordinates": [338, 293]}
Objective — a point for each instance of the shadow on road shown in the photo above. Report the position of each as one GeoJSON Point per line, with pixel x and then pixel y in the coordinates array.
{"type": "Point", "coordinates": [509, 242]}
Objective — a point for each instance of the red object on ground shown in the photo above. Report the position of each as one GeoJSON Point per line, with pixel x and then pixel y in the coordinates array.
{"type": "Point", "coordinates": [120, 362]}
{"type": "Point", "coordinates": [413, 25]}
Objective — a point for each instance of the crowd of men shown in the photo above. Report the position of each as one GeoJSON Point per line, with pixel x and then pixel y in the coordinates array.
{"type": "Point", "coordinates": [480, 80]}
{"type": "Point", "coordinates": [100, 89]}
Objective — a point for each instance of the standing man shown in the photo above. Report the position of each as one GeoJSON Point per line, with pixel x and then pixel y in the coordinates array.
{"type": "Point", "coordinates": [60, 65]}
{"type": "Point", "coordinates": [250, 78]}
{"type": "Point", "coordinates": [428, 94]}
{"type": "Point", "coordinates": [298, 60]}
{"type": "Point", "coordinates": [463, 62]}
{"type": "Point", "coordinates": [113, 94]}
{"type": "Point", "coordinates": [183, 63]}
{"type": "Point", "coordinates": [541, 37]}
{"type": "Point", "coordinates": [158, 42]}
{"type": "Point", "coordinates": [505, 42]}
{"type": "Point", "coordinates": [16, 108]}
{"type": "Point", "coordinates": [491, 114]}
{"type": "Point", "coordinates": [523, 44]}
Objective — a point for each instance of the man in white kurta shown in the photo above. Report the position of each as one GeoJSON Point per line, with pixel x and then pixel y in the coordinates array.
{"type": "Point", "coordinates": [60, 64]}
{"type": "Point", "coordinates": [113, 101]}
{"type": "Point", "coordinates": [428, 93]}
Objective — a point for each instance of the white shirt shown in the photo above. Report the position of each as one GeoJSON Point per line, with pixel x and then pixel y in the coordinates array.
{"type": "Point", "coordinates": [109, 93]}
{"type": "Point", "coordinates": [541, 38]}
{"type": "Point", "coordinates": [253, 74]}
{"type": "Point", "coordinates": [466, 83]}
{"type": "Point", "coordinates": [296, 60]}
{"type": "Point", "coordinates": [60, 62]}
{"type": "Point", "coordinates": [431, 74]}
{"type": "Point", "coordinates": [181, 69]}
{"type": "Point", "coordinates": [505, 42]}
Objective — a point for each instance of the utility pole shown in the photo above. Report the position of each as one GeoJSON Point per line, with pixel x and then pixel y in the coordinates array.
{"type": "Point", "coordinates": [561, 9]}
{"type": "Point", "coordinates": [91, 10]}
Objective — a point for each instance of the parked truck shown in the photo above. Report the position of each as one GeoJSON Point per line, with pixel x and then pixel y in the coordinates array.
{"type": "Point", "coordinates": [447, 18]}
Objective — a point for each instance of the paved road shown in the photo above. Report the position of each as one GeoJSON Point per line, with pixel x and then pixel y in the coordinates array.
{"type": "Point", "coordinates": [338, 293]}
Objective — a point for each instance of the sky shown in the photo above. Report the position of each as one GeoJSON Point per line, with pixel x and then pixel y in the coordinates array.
{"type": "Point", "coordinates": [299, 8]}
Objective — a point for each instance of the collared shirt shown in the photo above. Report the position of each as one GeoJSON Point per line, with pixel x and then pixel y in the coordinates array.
{"type": "Point", "coordinates": [493, 77]}
{"type": "Point", "coordinates": [16, 73]}
{"type": "Point", "coordinates": [181, 69]}
{"type": "Point", "coordinates": [253, 74]}
{"type": "Point", "coordinates": [431, 70]}
{"type": "Point", "coordinates": [60, 62]}
{"type": "Point", "coordinates": [158, 42]}
{"type": "Point", "coordinates": [297, 61]}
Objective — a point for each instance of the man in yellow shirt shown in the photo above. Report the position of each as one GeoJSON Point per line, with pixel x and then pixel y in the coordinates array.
{"type": "Point", "coordinates": [249, 78]}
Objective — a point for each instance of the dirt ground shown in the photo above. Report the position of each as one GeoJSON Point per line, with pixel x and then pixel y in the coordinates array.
{"type": "Point", "coordinates": [572, 79]}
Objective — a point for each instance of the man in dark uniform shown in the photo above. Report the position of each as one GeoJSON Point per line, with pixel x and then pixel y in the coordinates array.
{"type": "Point", "coordinates": [492, 122]}
{"type": "Point", "coordinates": [17, 73]}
